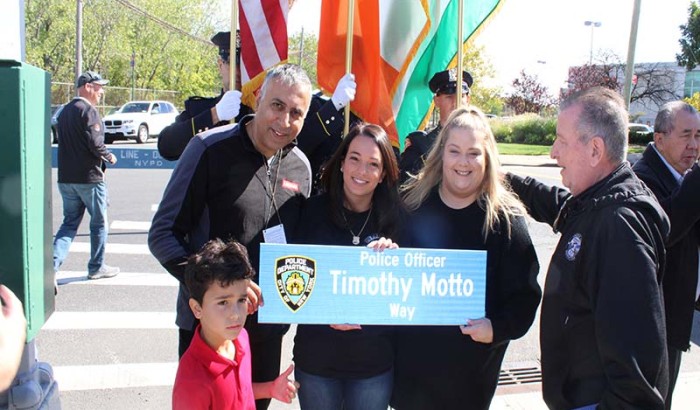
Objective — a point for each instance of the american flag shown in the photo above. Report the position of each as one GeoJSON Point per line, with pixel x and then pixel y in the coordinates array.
{"type": "Point", "coordinates": [263, 28]}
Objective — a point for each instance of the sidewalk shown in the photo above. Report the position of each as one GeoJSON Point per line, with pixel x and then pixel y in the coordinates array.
{"type": "Point", "coordinates": [527, 161]}
{"type": "Point", "coordinates": [685, 396]}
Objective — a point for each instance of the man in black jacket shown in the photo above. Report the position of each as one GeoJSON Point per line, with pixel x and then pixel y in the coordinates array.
{"type": "Point", "coordinates": [602, 330]}
{"type": "Point", "coordinates": [668, 167]}
{"type": "Point", "coordinates": [242, 181]}
{"type": "Point", "coordinates": [81, 157]}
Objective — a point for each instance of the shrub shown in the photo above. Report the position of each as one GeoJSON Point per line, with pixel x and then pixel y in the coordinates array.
{"type": "Point", "coordinates": [525, 129]}
{"type": "Point", "coordinates": [640, 138]}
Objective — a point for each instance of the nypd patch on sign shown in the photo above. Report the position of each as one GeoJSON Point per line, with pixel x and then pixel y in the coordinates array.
{"type": "Point", "coordinates": [573, 247]}
{"type": "Point", "coordinates": [295, 279]}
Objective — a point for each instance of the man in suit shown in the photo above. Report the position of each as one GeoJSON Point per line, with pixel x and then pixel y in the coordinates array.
{"type": "Point", "coordinates": [668, 167]}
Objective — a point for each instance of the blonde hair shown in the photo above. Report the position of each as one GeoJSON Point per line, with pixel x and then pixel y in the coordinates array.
{"type": "Point", "coordinates": [495, 198]}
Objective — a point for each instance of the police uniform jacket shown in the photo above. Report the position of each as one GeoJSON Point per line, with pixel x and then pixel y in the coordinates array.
{"type": "Point", "coordinates": [194, 119]}
{"type": "Point", "coordinates": [682, 205]}
{"type": "Point", "coordinates": [602, 330]}
{"type": "Point", "coordinates": [412, 158]}
{"type": "Point", "coordinates": [318, 139]}
{"type": "Point", "coordinates": [222, 187]}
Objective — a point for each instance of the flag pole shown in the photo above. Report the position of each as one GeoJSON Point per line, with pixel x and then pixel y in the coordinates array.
{"type": "Point", "coordinates": [348, 58]}
{"type": "Point", "coordinates": [460, 53]}
{"type": "Point", "coordinates": [232, 49]}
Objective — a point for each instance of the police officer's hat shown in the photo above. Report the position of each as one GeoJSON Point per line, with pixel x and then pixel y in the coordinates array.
{"type": "Point", "coordinates": [445, 82]}
{"type": "Point", "coordinates": [222, 39]}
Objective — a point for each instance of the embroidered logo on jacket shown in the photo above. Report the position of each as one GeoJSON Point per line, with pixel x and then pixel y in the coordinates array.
{"type": "Point", "coordinates": [290, 185]}
{"type": "Point", "coordinates": [295, 277]}
{"type": "Point", "coordinates": [573, 247]}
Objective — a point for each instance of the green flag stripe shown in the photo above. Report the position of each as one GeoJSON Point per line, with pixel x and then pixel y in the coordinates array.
{"type": "Point", "coordinates": [440, 51]}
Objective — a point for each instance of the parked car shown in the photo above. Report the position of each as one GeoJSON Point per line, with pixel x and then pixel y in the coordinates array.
{"type": "Point", "coordinates": [139, 120]}
{"type": "Point", "coordinates": [55, 112]}
{"type": "Point", "coordinates": [640, 128]}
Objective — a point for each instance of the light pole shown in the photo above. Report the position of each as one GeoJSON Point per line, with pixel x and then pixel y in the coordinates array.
{"type": "Point", "coordinates": [593, 25]}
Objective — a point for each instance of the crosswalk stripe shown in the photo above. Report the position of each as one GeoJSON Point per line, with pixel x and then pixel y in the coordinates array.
{"type": "Point", "coordinates": [110, 320]}
{"type": "Point", "coordinates": [114, 376]}
{"type": "Point", "coordinates": [130, 225]}
{"type": "Point", "coordinates": [112, 248]}
{"type": "Point", "coordinates": [123, 279]}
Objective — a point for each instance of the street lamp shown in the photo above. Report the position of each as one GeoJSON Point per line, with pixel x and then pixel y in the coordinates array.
{"type": "Point", "coordinates": [593, 25]}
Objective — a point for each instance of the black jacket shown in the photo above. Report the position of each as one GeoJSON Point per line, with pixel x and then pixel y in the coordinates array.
{"type": "Point", "coordinates": [412, 158]}
{"type": "Point", "coordinates": [81, 147]}
{"type": "Point", "coordinates": [318, 139]}
{"type": "Point", "coordinates": [602, 329]}
{"type": "Point", "coordinates": [682, 205]}
{"type": "Point", "coordinates": [194, 119]}
{"type": "Point", "coordinates": [221, 188]}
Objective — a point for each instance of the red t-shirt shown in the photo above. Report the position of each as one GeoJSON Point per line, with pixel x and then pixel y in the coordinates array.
{"type": "Point", "coordinates": [207, 380]}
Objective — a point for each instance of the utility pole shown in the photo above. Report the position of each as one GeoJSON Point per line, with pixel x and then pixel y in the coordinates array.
{"type": "Point", "coordinates": [592, 24]}
{"type": "Point", "coordinates": [301, 46]}
{"type": "Point", "coordinates": [629, 69]}
{"type": "Point", "coordinates": [133, 66]}
{"type": "Point", "coordinates": [78, 40]}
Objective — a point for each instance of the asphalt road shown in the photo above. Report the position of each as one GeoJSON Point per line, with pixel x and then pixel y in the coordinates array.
{"type": "Point", "coordinates": [113, 343]}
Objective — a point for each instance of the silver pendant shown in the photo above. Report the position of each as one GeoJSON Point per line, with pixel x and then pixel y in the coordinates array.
{"type": "Point", "coordinates": [355, 240]}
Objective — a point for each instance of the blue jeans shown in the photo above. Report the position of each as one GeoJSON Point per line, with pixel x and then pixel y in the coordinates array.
{"type": "Point", "coordinates": [324, 393]}
{"type": "Point", "coordinates": [76, 199]}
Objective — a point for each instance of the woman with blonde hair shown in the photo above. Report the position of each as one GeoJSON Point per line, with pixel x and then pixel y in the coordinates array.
{"type": "Point", "coordinates": [458, 201]}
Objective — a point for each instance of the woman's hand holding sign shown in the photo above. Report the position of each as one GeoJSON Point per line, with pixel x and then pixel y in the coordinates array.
{"type": "Point", "coordinates": [379, 245]}
{"type": "Point", "coordinates": [480, 330]}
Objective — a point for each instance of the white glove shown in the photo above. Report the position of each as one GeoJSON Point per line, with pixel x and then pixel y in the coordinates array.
{"type": "Point", "coordinates": [344, 91]}
{"type": "Point", "coordinates": [229, 106]}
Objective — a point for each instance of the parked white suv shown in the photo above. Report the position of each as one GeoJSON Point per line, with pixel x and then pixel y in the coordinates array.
{"type": "Point", "coordinates": [138, 120]}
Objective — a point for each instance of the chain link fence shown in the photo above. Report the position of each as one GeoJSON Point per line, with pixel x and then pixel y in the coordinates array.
{"type": "Point", "coordinates": [114, 97]}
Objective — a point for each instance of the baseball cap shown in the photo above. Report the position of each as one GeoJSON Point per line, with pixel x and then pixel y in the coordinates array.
{"type": "Point", "coordinates": [90, 77]}
{"type": "Point", "coordinates": [445, 82]}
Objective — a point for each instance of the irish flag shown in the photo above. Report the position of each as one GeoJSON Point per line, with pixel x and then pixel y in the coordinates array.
{"type": "Point", "coordinates": [397, 47]}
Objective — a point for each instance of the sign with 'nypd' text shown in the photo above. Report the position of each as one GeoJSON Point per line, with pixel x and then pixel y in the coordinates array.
{"type": "Point", "coordinates": [315, 284]}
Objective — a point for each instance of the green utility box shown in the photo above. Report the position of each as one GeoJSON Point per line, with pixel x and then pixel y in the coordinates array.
{"type": "Point", "coordinates": [26, 261]}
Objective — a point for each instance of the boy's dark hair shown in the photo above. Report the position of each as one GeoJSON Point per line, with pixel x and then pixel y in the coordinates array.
{"type": "Point", "coordinates": [217, 261]}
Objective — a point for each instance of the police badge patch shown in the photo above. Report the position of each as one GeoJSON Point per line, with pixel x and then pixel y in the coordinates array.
{"type": "Point", "coordinates": [573, 247]}
{"type": "Point", "coordinates": [295, 277]}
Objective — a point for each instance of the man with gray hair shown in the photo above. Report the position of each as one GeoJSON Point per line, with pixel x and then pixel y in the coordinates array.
{"type": "Point", "coordinates": [243, 182]}
{"type": "Point", "coordinates": [602, 329]}
{"type": "Point", "coordinates": [668, 167]}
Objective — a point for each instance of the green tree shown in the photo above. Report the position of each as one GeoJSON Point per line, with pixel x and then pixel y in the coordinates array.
{"type": "Point", "coordinates": [167, 53]}
{"type": "Point", "coordinates": [307, 55]}
{"type": "Point", "coordinates": [528, 95]}
{"type": "Point", "coordinates": [689, 56]}
{"type": "Point", "coordinates": [488, 99]}
{"type": "Point", "coordinates": [694, 100]}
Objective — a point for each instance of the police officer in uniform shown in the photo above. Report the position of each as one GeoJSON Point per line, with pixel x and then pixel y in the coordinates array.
{"type": "Point", "coordinates": [202, 113]}
{"type": "Point", "coordinates": [318, 139]}
{"type": "Point", "coordinates": [418, 143]}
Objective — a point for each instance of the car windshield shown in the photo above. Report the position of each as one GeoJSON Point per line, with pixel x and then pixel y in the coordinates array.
{"type": "Point", "coordinates": [135, 107]}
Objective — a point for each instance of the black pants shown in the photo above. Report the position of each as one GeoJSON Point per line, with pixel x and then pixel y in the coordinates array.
{"type": "Point", "coordinates": [265, 360]}
{"type": "Point", "coordinates": [674, 367]}
{"type": "Point", "coordinates": [185, 340]}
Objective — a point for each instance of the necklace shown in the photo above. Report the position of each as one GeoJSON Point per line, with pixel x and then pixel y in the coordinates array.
{"type": "Point", "coordinates": [356, 238]}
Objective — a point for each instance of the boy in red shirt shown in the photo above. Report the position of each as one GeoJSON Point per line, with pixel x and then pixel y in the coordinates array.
{"type": "Point", "coordinates": [215, 371]}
